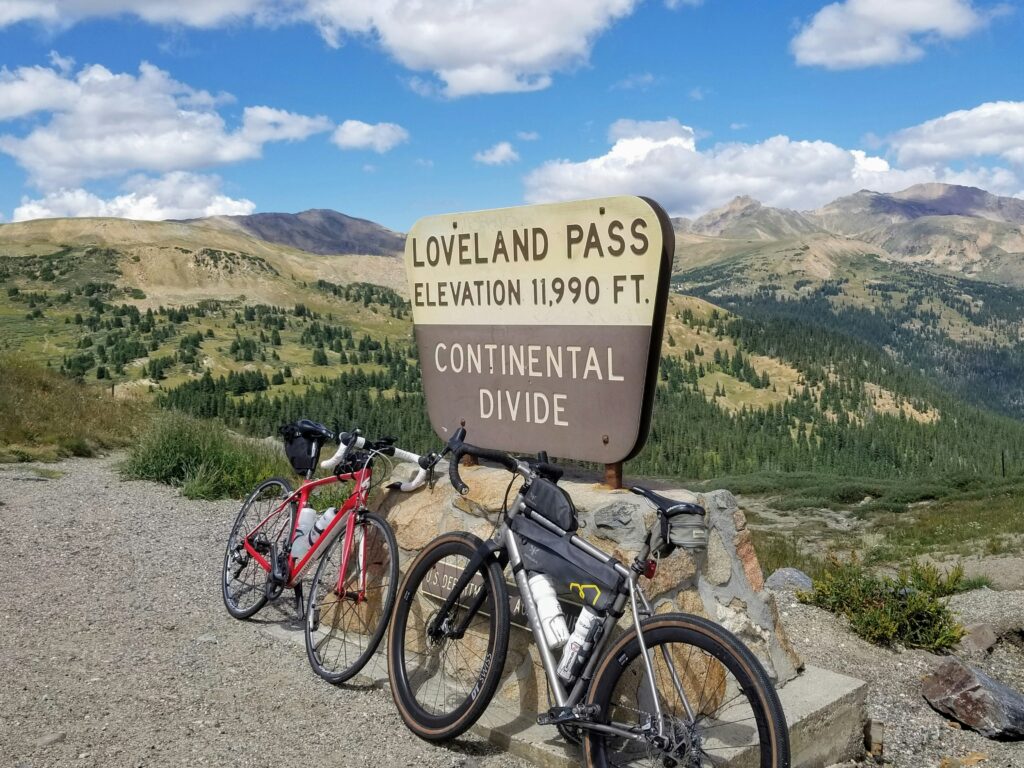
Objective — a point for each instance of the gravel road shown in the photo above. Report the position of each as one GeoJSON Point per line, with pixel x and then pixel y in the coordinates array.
{"type": "Point", "coordinates": [116, 650]}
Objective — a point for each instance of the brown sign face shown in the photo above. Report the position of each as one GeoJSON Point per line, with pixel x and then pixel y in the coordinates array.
{"type": "Point", "coordinates": [540, 326]}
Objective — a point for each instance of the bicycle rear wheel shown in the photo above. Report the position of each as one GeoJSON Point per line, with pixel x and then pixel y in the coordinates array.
{"type": "Point", "coordinates": [698, 668]}
{"type": "Point", "coordinates": [243, 579]}
{"type": "Point", "coordinates": [348, 611]}
{"type": "Point", "coordinates": [442, 681]}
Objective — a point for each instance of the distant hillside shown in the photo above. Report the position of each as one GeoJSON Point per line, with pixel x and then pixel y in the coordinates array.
{"type": "Point", "coordinates": [183, 262]}
{"type": "Point", "coordinates": [319, 231]}
{"type": "Point", "coordinates": [866, 211]}
{"type": "Point", "coordinates": [746, 218]}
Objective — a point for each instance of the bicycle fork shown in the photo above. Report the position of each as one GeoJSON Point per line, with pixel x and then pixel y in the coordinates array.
{"type": "Point", "coordinates": [634, 591]}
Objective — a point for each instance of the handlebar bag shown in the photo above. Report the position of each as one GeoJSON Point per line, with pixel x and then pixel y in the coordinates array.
{"type": "Point", "coordinates": [574, 573]}
{"type": "Point", "coordinates": [552, 503]}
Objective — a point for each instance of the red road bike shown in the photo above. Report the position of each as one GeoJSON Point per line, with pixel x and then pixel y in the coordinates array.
{"type": "Point", "coordinates": [353, 588]}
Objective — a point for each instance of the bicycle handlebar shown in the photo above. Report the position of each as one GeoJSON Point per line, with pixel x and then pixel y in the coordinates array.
{"type": "Point", "coordinates": [458, 449]}
{"type": "Point", "coordinates": [350, 441]}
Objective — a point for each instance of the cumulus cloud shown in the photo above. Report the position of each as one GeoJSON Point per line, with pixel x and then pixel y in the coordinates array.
{"type": "Point", "coordinates": [34, 89]}
{"type": "Point", "coordinates": [995, 128]}
{"type": "Point", "coordinates": [502, 46]}
{"type": "Point", "coordinates": [863, 33]}
{"type": "Point", "coordinates": [501, 153]}
{"type": "Point", "coordinates": [176, 195]}
{"type": "Point", "coordinates": [662, 160]}
{"type": "Point", "coordinates": [380, 137]}
{"type": "Point", "coordinates": [104, 124]}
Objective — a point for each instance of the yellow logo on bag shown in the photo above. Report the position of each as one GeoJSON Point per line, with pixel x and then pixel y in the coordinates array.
{"type": "Point", "coordinates": [582, 588]}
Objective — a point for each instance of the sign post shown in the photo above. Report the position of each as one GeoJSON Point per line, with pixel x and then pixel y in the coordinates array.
{"type": "Point", "coordinates": [540, 327]}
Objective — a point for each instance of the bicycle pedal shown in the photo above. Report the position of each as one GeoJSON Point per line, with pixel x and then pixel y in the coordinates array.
{"type": "Point", "coordinates": [556, 715]}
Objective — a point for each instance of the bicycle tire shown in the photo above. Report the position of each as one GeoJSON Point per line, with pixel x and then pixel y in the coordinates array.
{"type": "Point", "coordinates": [412, 654]}
{"type": "Point", "coordinates": [358, 613]}
{"type": "Point", "coordinates": [720, 655]}
{"type": "Point", "coordinates": [261, 503]}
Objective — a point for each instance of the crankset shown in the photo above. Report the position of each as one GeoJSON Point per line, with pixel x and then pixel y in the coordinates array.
{"type": "Point", "coordinates": [278, 576]}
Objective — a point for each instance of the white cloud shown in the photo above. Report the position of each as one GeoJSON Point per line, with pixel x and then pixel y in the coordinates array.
{"type": "Point", "coordinates": [661, 160]}
{"type": "Point", "coordinates": [674, 4]}
{"type": "Point", "coordinates": [176, 195]}
{"type": "Point", "coordinates": [863, 33]}
{"type": "Point", "coordinates": [994, 128]}
{"type": "Point", "coordinates": [104, 124]}
{"type": "Point", "coordinates": [499, 46]}
{"type": "Point", "coordinates": [501, 153]}
{"type": "Point", "coordinates": [697, 93]}
{"type": "Point", "coordinates": [527, 135]}
{"type": "Point", "coordinates": [737, 126]}
{"type": "Point", "coordinates": [64, 64]}
{"type": "Point", "coordinates": [263, 124]}
{"type": "Point", "coordinates": [195, 13]}
{"type": "Point", "coordinates": [670, 130]}
{"type": "Point", "coordinates": [380, 137]}
{"type": "Point", "coordinates": [640, 82]}
{"type": "Point", "coordinates": [34, 89]}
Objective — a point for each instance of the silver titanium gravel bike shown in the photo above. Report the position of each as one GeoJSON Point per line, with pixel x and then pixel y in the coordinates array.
{"type": "Point", "coordinates": [671, 689]}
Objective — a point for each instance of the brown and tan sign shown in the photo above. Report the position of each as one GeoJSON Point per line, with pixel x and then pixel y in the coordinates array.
{"type": "Point", "coordinates": [540, 326]}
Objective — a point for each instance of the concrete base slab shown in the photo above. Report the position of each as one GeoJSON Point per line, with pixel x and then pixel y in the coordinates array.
{"type": "Point", "coordinates": [825, 712]}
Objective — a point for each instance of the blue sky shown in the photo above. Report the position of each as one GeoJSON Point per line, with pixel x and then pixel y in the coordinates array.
{"type": "Point", "coordinates": [393, 109]}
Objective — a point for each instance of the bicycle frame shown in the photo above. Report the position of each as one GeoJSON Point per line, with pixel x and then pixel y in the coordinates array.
{"type": "Point", "coordinates": [571, 701]}
{"type": "Point", "coordinates": [299, 498]}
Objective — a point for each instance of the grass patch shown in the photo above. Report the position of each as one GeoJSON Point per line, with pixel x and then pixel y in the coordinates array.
{"type": "Point", "coordinates": [776, 550]}
{"type": "Point", "coordinates": [203, 458]}
{"type": "Point", "coordinates": [907, 610]}
{"type": "Point", "coordinates": [45, 416]}
{"type": "Point", "coordinates": [963, 524]}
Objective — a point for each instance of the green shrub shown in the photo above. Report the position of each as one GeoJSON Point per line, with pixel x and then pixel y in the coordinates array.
{"type": "Point", "coordinates": [203, 458]}
{"type": "Point", "coordinates": [906, 610]}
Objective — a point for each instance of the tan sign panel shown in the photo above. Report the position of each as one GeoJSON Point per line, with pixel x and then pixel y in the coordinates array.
{"type": "Point", "coordinates": [540, 326]}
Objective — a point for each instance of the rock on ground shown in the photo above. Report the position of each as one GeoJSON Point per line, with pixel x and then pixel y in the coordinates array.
{"type": "Point", "coordinates": [966, 693]}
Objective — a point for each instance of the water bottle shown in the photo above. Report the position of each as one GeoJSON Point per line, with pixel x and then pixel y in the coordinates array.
{"type": "Point", "coordinates": [321, 525]}
{"type": "Point", "coordinates": [549, 611]}
{"type": "Point", "coordinates": [300, 542]}
{"type": "Point", "coordinates": [578, 644]}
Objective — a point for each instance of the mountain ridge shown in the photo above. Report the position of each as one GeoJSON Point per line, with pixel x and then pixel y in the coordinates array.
{"type": "Point", "coordinates": [318, 230]}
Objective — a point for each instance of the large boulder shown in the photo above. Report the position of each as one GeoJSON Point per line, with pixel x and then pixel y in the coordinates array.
{"type": "Point", "coordinates": [968, 695]}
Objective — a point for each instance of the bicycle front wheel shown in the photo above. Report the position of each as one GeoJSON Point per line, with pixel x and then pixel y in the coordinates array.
{"type": "Point", "coordinates": [717, 704]}
{"type": "Point", "coordinates": [244, 580]}
{"type": "Point", "coordinates": [351, 598]}
{"type": "Point", "coordinates": [445, 669]}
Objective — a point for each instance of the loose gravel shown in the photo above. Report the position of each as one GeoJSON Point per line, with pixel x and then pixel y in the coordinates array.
{"type": "Point", "coordinates": [116, 650]}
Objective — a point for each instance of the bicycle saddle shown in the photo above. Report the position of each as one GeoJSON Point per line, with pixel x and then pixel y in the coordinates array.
{"type": "Point", "coordinates": [668, 507]}
{"type": "Point", "coordinates": [311, 429]}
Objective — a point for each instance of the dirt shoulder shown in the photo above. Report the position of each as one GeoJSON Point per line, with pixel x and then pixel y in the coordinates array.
{"type": "Point", "coordinates": [117, 650]}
